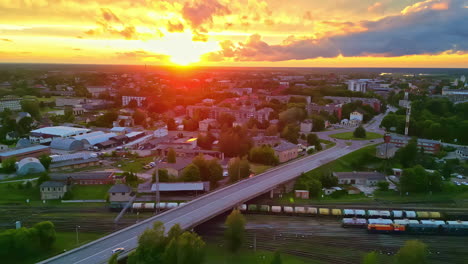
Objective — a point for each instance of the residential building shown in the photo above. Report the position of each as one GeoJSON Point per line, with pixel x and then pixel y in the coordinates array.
{"type": "Point", "coordinates": [14, 104]}
{"type": "Point", "coordinates": [20, 153]}
{"type": "Point", "coordinates": [306, 126]}
{"type": "Point", "coordinates": [285, 98]}
{"type": "Point", "coordinates": [47, 134]}
{"type": "Point", "coordinates": [68, 101]}
{"type": "Point", "coordinates": [86, 178]}
{"type": "Point", "coordinates": [242, 114]}
{"type": "Point", "coordinates": [120, 193]}
{"type": "Point", "coordinates": [357, 86]}
{"type": "Point", "coordinates": [359, 178]}
{"type": "Point", "coordinates": [455, 94]}
{"type": "Point", "coordinates": [175, 169]}
{"type": "Point", "coordinates": [51, 190]}
{"type": "Point", "coordinates": [356, 116]}
{"type": "Point", "coordinates": [373, 102]}
{"type": "Point", "coordinates": [127, 99]}
{"type": "Point", "coordinates": [96, 91]}
{"type": "Point", "coordinates": [286, 151]}
{"type": "Point", "coordinates": [28, 166]}
{"type": "Point", "coordinates": [266, 140]}
{"type": "Point", "coordinates": [386, 151]}
{"type": "Point", "coordinates": [429, 146]}
{"type": "Point", "coordinates": [205, 124]}
{"type": "Point", "coordinates": [331, 109]}
{"type": "Point", "coordinates": [123, 121]}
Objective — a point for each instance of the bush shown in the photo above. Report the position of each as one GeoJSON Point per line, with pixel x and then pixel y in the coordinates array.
{"type": "Point", "coordinates": [359, 132]}
{"type": "Point", "coordinates": [383, 185]}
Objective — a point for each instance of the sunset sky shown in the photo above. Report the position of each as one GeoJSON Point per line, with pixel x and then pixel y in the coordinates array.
{"type": "Point", "coordinates": [297, 33]}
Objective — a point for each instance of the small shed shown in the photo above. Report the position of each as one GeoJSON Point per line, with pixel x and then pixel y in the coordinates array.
{"type": "Point", "coordinates": [28, 166]}
{"type": "Point", "coordinates": [69, 144]}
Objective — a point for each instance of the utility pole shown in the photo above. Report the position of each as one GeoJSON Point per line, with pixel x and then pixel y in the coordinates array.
{"type": "Point", "coordinates": [157, 188]}
{"type": "Point", "coordinates": [408, 113]}
{"type": "Point", "coordinates": [255, 242]}
{"type": "Point", "coordinates": [76, 230]}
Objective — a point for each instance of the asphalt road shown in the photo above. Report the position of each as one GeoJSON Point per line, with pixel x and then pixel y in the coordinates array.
{"type": "Point", "coordinates": [210, 205]}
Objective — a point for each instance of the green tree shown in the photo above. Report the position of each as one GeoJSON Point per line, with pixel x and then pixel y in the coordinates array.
{"type": "Point", "coordinates": [45, 160]}
{"type": "Point", "coordinates": [9, 165]}
{"type": "Point", "coordinates": [271, 130]}
{"type": "Point", "coordinates": [216, 172]}
{"type": "Point", "coordinates": [290, 133]}
{"type": "Point", "coordinates": [226, 120]}
{"type": "Point", "coordinates": [235, 141]}
{"type": "Point", "coordinates": [171, 156]}
{"type": "Point", "coordinates": [32, 107]}
{"type": "Point", "coordinates": [318, 146]}
{"type": "Point", "coordinates": [276, 258]}
{"type": "Point", "coordinates": [151, 246]}
{"type": "Point", "coordinates": [414, 251]}
{"type": "Point", "coordinates": [235, 229]}
{"type": "Point", "coordinates": [113, 259]}
{"type": "Point", "coordinates": [191, 173]}
{"type": "Point", "coordinates": [263, 155]}
{"type": "Point", "coordinates": [318, 123]}
{"type": "Point", "coordinates": [238, 169]}
{"type": "Point", "coordinates": [328, 180]}
{"type": "Point", "coordinates": [312, 139]}
{"type": "Point", "coordinates": [162, 174]}
{"type": "Point", "coordinates": [171, 124]}
{"type": "Point", "coordinates": [371, 258]}
{"type": "Point", "coordinates": [42, 178]}
{"type": "Point", "coordinates": [47, 235]}
{"type": "Point", "coordinates": [383, 185]}
{"type": "Point", "coordinates": [359, 132]}
{"type": "Point", "coordinates": [407, 154]}
{"type": "Point", "coordinates": [187, 248]}
{"type": "Point", "coordinates": [314, 187]}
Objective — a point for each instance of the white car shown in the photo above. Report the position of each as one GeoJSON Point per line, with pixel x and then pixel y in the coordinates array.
{"type": "Point", "coordinates": [118, 250]}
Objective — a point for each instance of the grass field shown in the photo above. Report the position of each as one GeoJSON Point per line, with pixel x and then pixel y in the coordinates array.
{"type": "Point", "coordinates": [11, 193]}
{"type": "Point", "coordinates": [217, 255]}
{"type": "Point", "coordinates": [349, 136]}
{"type": "Point", "coordinates": [64, 242]}
{"type": "Point", "coordinates": [134, 164]}
{"type": "Point", "coordinates": [258, 168]}
{"type": "Point", "coordinates": [89, 192]}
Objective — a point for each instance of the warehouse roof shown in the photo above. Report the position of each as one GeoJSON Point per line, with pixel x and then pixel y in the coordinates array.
{"type": "Point", "coordinates": [119, 188]}
{"type": "Point", "coordinates": [180, 164]}
{"type": "Point", "coordinates": [88, 135]}
{"type": "Point", "coordinates": [82, 175]}
{"type": "Point", "coordinates": [20, 151]}
{"type": "Point", "coordinates": [99, 138]}
{"type": "Point", "coordinates": [52, 184]}
{"type": "Point", "coordinates": [62, 131]}
{"type": "Point", "coordinates": [66, 144]}
{"type": "Point", "coordinates": [72, 162]}
{"type": "Point", "coordinates": [285, 146]}
{"type": "Point", "coordinates": [179, 186]}
{"type": "Point", "coordinates": [23, 143]}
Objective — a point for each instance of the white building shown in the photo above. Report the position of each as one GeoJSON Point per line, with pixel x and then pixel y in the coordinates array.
{"type": "Point", "coordinates": [356, 116]}
{"type": "Point", "coordinates": [357, 85]}
{"type": "Point", "coordinates": [127, 99]}
{"type": "Point", "coordinates": [13, 104]}
{"type": "Point", "coordinates": [47, 134]}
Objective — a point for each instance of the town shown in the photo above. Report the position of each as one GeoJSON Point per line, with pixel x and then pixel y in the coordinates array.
{"type": "Point", "coordinates": [97, 151]}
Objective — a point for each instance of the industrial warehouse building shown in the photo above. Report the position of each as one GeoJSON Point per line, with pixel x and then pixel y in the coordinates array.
{"type": "Point", "coordinates": [47, 134]}
{"type": "Point", "coordinates": [20, 153]}
{"type": "Point", "coordinates": [68, 144]}
{"type": "Point", "coordinates": [28, 166]}
{"type": "Point", "coordinates": [85, 178]}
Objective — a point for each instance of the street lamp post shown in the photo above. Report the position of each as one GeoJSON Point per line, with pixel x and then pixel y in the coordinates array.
{"type": "Point", "coordinates": [157, 186]}
{"type": "Point", "coordinates": [76, 230]}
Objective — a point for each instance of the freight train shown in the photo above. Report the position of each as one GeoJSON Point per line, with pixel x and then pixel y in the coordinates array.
{"type": "Point", "coordinates": [424, 227]}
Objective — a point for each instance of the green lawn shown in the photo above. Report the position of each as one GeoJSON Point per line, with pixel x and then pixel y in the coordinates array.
{"type": "Point", "coordinates": [65, 241]}
{"type": "Point", "coordinates": [134, 164]}
{"type": "Point", "coordinates": [349, 136]}
{"type": "Point", "coordinates": [217, 255]}
{"type": "Point", "coordinates": [11, 193]}
{"type": "Point", "coordinates": [89, 192]}
{"type": "Point", "coordinates": [258, 168]}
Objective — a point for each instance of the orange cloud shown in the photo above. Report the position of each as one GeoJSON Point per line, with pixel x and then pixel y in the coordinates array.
{"type": "Point", "coordinates": [426, 5]}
